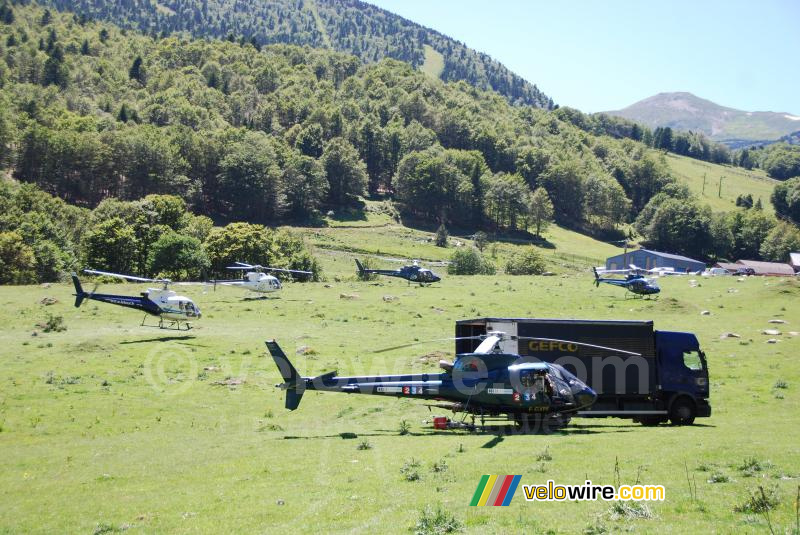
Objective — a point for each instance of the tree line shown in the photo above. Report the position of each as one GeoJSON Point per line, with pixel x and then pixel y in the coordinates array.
{"type": "Point", "coordinates": [42, 237]}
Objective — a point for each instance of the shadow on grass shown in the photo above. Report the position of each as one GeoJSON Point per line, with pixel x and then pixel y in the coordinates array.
{"type": "Point", "coordinates": [161, 339]}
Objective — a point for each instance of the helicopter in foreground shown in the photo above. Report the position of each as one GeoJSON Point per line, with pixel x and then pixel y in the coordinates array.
{"type": "Point", "coordinates": [256, 279]}
{"type": "Point", "coordinates": [487, 383]}
{"type": "Point", "coordinates": [172, 310]}
{"type": "Point", "coordinates": [412, 273]}
{"type": "Point", "coordinates": [632, 282]}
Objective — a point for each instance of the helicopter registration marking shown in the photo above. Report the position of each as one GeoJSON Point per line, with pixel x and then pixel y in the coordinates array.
{"type": "Point", "coordinates": [390, 389]}
{"type": "Point", "coordinates": [508, 391]}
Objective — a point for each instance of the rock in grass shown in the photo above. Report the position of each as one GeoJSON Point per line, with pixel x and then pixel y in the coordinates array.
{"type": "Point", "coordinates": [389, 298]}
{"type": "Point", "coordinates": [723, 336]}
{"type": "Point", "coordinates": [772, 341]}
{"type": "Point", "coordinates": [705, 313]}
{"type": "Point", "coordinates": [771, 332]}
{"type": "Point", "coordinates": [776, 321]}
{"type": "Point", "coordinates": [349, 297]}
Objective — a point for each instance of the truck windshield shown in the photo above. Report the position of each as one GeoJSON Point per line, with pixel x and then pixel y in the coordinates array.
{"type": "Point", "coordinates": [691, 359]}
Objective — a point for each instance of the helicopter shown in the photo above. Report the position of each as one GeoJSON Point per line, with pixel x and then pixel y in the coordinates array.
{"type": "Point", "coordinates": [171, 309]}
{"type": "Point", "coordinates": [488, 383]}
{"type": "Point", "coordinates": [412, 273]}
{"type": "Point", "coordinates": [256, 280]}
{"type": "Point", "coordinates": [637, 284]}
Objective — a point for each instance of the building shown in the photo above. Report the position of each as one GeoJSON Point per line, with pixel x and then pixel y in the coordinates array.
{"type": "Point", "coordinates": [728, 266]}
{"type": "Point", "coordinates": [647, 259]}
{"type": "Point", "coordinates": [794, 260]}
{"type": "Point", "coordinates": [767, 268]}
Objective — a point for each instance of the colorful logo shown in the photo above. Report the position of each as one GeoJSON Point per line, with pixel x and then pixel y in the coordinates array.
{"type": "Point", "coordinates": [406, 390]}
{"type": "Point", "coordinates": [495, 490]}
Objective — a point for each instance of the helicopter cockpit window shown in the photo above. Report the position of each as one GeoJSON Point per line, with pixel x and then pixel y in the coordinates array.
{"type": "Point", "coordinates": [526, 379]}
{"type": "Point", "coordinates": [691, 359]}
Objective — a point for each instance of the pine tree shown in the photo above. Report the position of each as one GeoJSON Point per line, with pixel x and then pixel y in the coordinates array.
{"type": "Point", "coordinates": [122, 116]}
{"type": "Point", "coordinates": [85, 51]}
{"type": "Point", "coordinates": [136, 72]}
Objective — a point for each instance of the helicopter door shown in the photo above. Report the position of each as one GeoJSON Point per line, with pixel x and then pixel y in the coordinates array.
{"type": "Point", "coordinates": [510, 328]}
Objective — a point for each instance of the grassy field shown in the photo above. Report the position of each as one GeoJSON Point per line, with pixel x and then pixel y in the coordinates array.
{"type": "Point", "coordinates": [735, 181]}
{"type": "Point", "coordinates": [434, 62]}
{"type": "Point", "coordinates": [109, 426]}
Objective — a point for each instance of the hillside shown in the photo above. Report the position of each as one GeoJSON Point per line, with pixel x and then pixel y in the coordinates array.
{"type": "Point", "coordinates": [350, 26]}
{"type": "Point", "coordinates": [685, 111]}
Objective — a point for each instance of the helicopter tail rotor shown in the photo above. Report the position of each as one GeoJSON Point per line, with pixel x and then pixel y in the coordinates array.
{"type": "Point", "coordinates": [596, 277]}
{"type": "Point", "coordinates": [80, 295]}
{"type": "Point", "coordinates": [293, 383]}
{"type": "Point", "coordinates": [360, 267]}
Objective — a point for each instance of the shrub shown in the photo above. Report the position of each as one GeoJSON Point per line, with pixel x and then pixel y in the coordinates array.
{"type": "Point", "coordinates": [434, 522]}
{"type": "Point", "coordinates": [759, 501]}
{"type": "Point", "coordinates": [404, 428]}
{"type": "Point", "coordinates": [469, 261]}
{"type": "Point", "coordinates": [526, 262]}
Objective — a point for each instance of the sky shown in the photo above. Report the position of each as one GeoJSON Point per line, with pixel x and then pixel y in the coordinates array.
{"type": "Point", "coordinates": [605, 55]}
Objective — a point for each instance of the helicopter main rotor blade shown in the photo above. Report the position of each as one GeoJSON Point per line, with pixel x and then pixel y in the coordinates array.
{"type": "Point", "coordinates": [126, 277]}
{"type": "Point", "coordinates": [385, 349]}
{"type": "Point", "coordinates": [287, 270]}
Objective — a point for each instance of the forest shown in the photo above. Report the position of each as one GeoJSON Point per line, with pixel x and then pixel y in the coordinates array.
{"type": "Point", "coordinates": [94, 114]}
{"type": "Point", "coordinates": [363, 30]}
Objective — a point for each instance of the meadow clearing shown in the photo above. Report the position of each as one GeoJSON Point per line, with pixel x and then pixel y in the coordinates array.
{"type": "Point", "coordinates": [109, 426]}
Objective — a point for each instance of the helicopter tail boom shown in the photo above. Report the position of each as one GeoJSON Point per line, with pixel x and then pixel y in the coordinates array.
{"type": "Point", "coordinates": [80, 295]}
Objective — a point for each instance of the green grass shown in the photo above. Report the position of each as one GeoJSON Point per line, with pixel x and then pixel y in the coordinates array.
{"type": "Point", "coordinates": [737, 181]}
{"type": "Point", "coordinates": [434, 62]}
{"type": "Point", "coordinates": [109, 425]}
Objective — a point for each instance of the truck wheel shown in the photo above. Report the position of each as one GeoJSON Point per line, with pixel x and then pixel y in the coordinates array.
{"type": "Point", "coordinates": [682, 412]}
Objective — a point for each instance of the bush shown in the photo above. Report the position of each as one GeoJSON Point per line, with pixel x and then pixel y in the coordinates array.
{"type": "Point", "coordinates": [526, 262]}
{"type": "Point", "coordinates": [434, 522]}
{"type": "Point", "coordinates": [469, 261]}
{"type": "Point", "coordinates": [759, 501]}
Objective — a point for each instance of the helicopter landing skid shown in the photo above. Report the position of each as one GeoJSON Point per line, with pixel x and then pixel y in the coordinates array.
{"type": "Point", "coordinates": [169, 325]}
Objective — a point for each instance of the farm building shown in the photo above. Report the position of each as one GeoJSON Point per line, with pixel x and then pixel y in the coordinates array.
{"type": "Point", "coordinates": [729, 266]}
{"type": "Point", "coordinates": [647, 259]}
{"type": "Point", "coordinates": [794, 260]}
{"type": "Point", "coordinates": [767, 268]}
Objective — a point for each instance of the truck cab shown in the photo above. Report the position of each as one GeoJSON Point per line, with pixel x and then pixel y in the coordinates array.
{"type": "Point", "coordinates": [682, 376]}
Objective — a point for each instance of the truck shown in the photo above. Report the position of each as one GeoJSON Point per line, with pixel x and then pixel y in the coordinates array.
{"type": "Point", "coordinates": [658, 375]}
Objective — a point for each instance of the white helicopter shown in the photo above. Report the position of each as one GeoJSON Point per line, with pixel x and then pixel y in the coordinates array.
{"type": "Point", "coordinates": [162, 302]}
{"type": "Point", "coordinates": [256, 280]}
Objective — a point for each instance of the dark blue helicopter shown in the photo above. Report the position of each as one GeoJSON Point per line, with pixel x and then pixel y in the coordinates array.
{"type": "Point", "coordinates": [413, 273]}
{"type": "Point", "coordinates": [162, 302]}
{"type": "Point", "coordinates": [633, 282]}
{"type": "Point", "coordinates": [487, 383]}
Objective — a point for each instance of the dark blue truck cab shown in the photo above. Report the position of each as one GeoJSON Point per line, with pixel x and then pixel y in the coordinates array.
{"type": "Point", "coordinates": [668, 380]}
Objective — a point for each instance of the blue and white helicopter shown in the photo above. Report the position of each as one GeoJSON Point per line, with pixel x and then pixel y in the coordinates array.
{"type": "Point", "coordinates": [172, 310]}
{"type": "Point", "coordinates": [633, 282]}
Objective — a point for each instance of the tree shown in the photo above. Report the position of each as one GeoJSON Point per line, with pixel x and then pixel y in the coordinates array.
{"type": "Point", "coordinates": [786, 200]}
{"type": "Point", "coordinates": [540, 210]}
{"type": "Point", "coordinates": [305, 184]}
{"type": "Point", "coordinates": [481, 239]}
{"type": "Point", "coordinates": [136, 72]}
{"type": "Point", "coordinates": [111, 246]}
{"type": "Point", "coordinates": [345, 172]}
{"type": "Point", "coordinates": [249, 180]}
{"type": "Point", "coordinates": [441, 236]}
{"type": "Point", "coordinates": [177, 257]}
{"type": "Point", "coordinates": [783, 239]}
{"type": "Point", "coordinates": [678, 226]}
{"type": "Point", "coordinates": [528, 261]}
{"type": "Point", "coordinates": [17, 261]}
{"type": "Point", "coordinates": [55, 70]}
{"type": "Point", "coordinates": [169, 210]}
{"type": "Point", "coordinates": [469, 261]}
{"type": "Point", "coordinates": [239, 242]}
{"type": "Point", "coordinates": [506, 199]}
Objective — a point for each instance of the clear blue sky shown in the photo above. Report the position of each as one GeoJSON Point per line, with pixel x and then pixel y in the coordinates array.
{"type": "Point", "coordinates": [604, 55]}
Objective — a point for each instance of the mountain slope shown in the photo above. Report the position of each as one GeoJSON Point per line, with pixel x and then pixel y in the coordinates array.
{"type": "Point", "coordinates": [685, 111]}
{"type": "Point", "coordinates": [351, 26]}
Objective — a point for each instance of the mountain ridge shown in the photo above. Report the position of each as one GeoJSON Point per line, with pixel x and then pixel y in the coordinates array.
{"type": "Point", "coordinates": [358, 28]}
{"type": "Point", "coordinates": [682, 110]}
